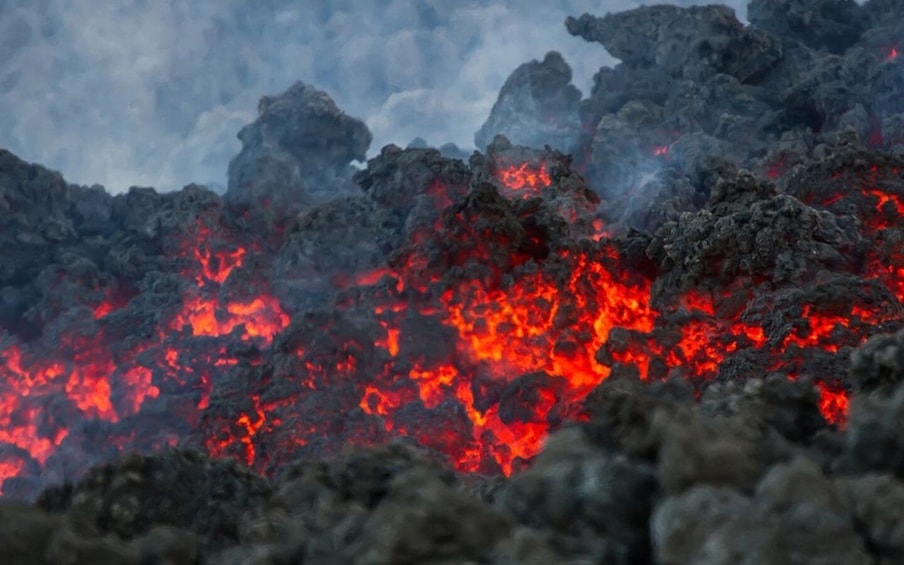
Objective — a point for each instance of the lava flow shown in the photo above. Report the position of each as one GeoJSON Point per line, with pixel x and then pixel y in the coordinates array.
{"type": "Point", "coordinates": [526, 338]}
{"type": "Point", "coordinates": [92, 375]}
{"type": "Point", "coordinates": [524, 180]}
{"type": "Point", "coordinates": [693, 292]}
{"type": "Point", "coordinates": [474, 312]}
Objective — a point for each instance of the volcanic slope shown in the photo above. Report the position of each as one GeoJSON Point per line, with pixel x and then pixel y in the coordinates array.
{"type": "Point", "coordinates": [700, 307]}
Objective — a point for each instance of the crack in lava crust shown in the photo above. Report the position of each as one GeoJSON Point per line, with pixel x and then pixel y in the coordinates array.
{"type": "Point", "coordinates": [482, 333]}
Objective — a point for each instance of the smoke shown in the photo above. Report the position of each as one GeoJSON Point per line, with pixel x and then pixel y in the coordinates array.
{"type": "Point", "coordinates": [134, 92]}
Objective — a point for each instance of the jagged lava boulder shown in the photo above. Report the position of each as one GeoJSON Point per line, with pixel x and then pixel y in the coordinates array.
{"type": "Point", "coordinates": [296, 154]}
{"type": "Point", "coordinates": [537, 106]}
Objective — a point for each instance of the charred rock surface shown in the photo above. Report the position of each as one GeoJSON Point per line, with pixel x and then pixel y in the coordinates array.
{"type": "Point", "coordinates": [295, 154]}
{"type": "Point", "coordinates": [691, 43]}
{"type": "Point", "coordinates": [720, 480]}
{"type": "Point", "coordinates": [364, 367]}
{"type": "Point", "coordinates": [831, 25]}
{"type": "Point", "coordinates": [537, 106]}
{"type": "Point", "coordinates": [695, 84]}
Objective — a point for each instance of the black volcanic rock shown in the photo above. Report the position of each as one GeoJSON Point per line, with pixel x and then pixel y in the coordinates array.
{"type": "Point", "coordinates": [878, 365]}
{"type": "Point", "coordinates": [681, 311]}
{"type": "Point", "coordinates": [747, 229]}
{"type": "Point", "coordinates": [682, 95]}
{"type": "Point", "coordinates": [707, 525]}
{"type": "Point", "coordinates": [537, 106]}
{"type": "Point", "coordinates": [355, 233]}
{"type": "Point", "coordinates": [693, 43]}
{"type": "Point", "coordinates": [295, 154]}
{"type": "Point", "coordinates": [180, 489]}
{"type": "Point", "coordinates": [33, 217]}
{"type": "Point", "coordinates": [833, 25]}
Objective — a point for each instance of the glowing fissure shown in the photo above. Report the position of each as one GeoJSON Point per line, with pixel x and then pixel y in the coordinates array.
{"type": "Point", "coordinates": [104, 387]}
{"type": "Point", "coordinates": [531, 335]}
{"type": "Point", "coordinates": [525, 180]}
{"type": "Point", "coordinates": [539, 325]}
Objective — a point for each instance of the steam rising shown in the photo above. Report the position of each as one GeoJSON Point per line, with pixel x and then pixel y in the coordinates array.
{"type": "Point", "coordinates": [152, 93]}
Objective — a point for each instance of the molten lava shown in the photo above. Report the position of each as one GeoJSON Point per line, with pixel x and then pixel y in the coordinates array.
{"type": "Point", "coordinates": [110, 383]}
{"type": "Point", "coordinates": [525, 180]}
{"type": "Point", "coordinates": [479, 338]}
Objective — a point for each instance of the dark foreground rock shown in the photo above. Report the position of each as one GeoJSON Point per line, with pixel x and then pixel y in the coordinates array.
{"type": "Point", "coordinates": [722, 481]}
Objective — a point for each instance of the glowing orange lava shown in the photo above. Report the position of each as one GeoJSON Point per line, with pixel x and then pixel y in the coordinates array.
{"type": "Point", "coordinates": [9, 469]}
{"type": "Point", "coordinates": [819, 333]}
{"type": "Point", "coordinates": [477, 350]}
{"type": "Point", "coordinates": [215, 266]}
{"type": "Point", "coordinates": [889, 207]}
{"type": "Point", "coordinates": [526, 179]}
{"type": "Point", "coordinates": [833, 404]}
{"type": "Point", "coordinates": [104, 386]}
{"type": "Point", "coordinates": [536, 324]}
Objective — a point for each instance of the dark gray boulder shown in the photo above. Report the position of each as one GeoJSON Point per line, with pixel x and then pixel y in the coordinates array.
{"type": "Point", "coordinates": [692, 43]}
{"type": "Point", "coordinates": [832, 25]}
{"type": "Point", "coordinates": [537, 106]}
{"type": "Point", "coordinates": [297, 153]}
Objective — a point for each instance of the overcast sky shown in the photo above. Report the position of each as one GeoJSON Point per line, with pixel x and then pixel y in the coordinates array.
{"type": "Point", "coordinates": [152, 92]}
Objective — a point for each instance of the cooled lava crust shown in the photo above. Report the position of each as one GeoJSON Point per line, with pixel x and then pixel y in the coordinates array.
{"type": "Point", "coordinates": [667, 336]}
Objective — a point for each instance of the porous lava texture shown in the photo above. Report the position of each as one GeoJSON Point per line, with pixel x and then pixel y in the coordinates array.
{"type": "Point", "coordinates": [662, 323]}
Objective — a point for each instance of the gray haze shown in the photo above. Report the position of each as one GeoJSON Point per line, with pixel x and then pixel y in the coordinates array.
{"type": "Point", "coordinates": [152, 92]}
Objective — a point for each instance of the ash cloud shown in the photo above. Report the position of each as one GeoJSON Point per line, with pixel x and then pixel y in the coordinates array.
{"type": "Point", "coordinates": [152, 93]}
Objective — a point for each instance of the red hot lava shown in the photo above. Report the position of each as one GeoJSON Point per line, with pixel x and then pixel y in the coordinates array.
{"type": "Point", "coordinates": [104, 381]}
{"type": "Point", "coordinates": [499, 342]}
{"type": "Point", "coordinates": [525, 180]}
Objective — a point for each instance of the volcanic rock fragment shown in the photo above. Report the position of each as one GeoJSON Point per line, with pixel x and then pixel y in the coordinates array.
{"type": "Point", "coordinates": [796, 515]}
{"type": "Point", "coordinates": [295, 154]}
{"type": "Point", "coordinates": [878, 365]}
{"type": "Point", "coordinates": [694, 43]}
{"type": "Point", "coordinates": [182, 489]}
{"type": "Point", "coordinates": [597, 503]}
{"type": "Point", "coordinates": [620, 151]}
{"type": "Point", "coordinates": [404, 192]}
{"type": "Point", "coordinates": [537, 106]}
{"type": "Point", "coordinates": [833, 25]}
{"type": "Point", "coordinates": [32, 217]}
{"type": "Point", "coordinates": [747, 229]}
